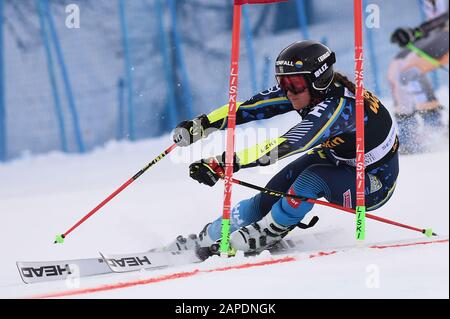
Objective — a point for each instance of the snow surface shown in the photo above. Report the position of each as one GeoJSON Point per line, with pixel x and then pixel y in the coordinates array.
{"type": "Point", "coordinates": [44, 195]}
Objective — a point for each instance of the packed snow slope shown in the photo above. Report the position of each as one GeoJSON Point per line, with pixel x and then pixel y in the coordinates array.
{"type": "Point", "coordinates": [43, 196]}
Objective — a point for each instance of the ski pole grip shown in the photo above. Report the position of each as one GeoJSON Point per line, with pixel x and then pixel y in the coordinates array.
{"type": "Point", "coordinates": [215, 166]}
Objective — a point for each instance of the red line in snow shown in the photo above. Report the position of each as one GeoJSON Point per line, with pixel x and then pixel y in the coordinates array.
{"type": "Point", "coordinates": [159, 279]}
{"type": "Point", "coordinates": [116, 286]}
{"type": "Point", "coordinates": [197, 271]}
{"type": "Point", "coordinates": [322, 253]}
{"type": "Point", "coordinates": [409, 244]}
{"type": "Point", "coordinates": [250, 265]}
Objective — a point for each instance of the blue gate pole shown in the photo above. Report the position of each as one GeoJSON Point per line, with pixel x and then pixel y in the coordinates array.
{"type": "Point", "coordinates": [52, 78]}
{"type": "Point", "coordinates": [120, 111]}
{"type": "Point", "coordinates": [250, 51]}
{"type": "Point", "coordinates": [128, 68]}
{"type": "Point", "coordinates": [65, 76]}
{"type": "Point", "coordinates": [266, 70]}
{"type": "Point", "coordinates": [2, 91]}
{"type": "Point", "coordinates": [303, 20]}
{"type": "Point", "coordinates": [172, 113]}
{"type": "Point", "coordinates": [372, 57]}
{"type": "Point", "coordinates": [180, 59]}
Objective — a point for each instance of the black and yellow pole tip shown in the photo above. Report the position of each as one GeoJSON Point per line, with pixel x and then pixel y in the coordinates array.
{"type": "Point", "coordinates": [429, 232]}
{"type": "Point", "coordinates": [59, 239]}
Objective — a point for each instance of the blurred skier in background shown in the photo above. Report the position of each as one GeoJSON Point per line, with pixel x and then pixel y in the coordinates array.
{"type": "Point", "coordinates": [326, 135]}
{"type": "Point", "coordinates": [407, 74]}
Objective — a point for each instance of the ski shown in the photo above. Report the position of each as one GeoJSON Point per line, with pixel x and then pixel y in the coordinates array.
{"type": "Point", "coordinates": [34, 272]}
{"type": "Point", "coordinates": [42, 271]}
{"type": "Point", "coordinates": [39, 271]}
{"type": "Point", "coordinates": [157, 258]}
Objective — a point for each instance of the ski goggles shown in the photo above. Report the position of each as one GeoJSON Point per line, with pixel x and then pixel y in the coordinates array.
{"type": "Point", "coordinates": [293, 83]}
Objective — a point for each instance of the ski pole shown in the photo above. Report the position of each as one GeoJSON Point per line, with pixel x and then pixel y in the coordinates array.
{"type": "Point", "coordinates": [428, 232]}
{"type": "Point", "coordinates": [60, 238]}
{"type": "Point", "coordinates": [425, 56]}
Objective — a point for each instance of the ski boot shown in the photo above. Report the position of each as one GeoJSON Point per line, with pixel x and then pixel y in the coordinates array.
{"type": "Point", "coordinates": [265, 234]}
{"type": "Point", "coordinates": [259, 236]}
{"type": "Point", "coordinates": [191, 242]}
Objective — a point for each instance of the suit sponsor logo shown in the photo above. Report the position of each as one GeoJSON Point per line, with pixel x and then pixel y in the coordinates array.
{"type": "Point", "coordinates": [271, 90]}
{"type": "Point", "coordinates": [318, 109]}
{"type": "Point", "coordinates": [333, 142]}
{"type": "Point", "coordinates": [374, 102]}
{"type": "Point", "coordinates": [347, 199]}
{"type": "Point", "coordinates": [293, 202]}
{"type": "Point", "coordinates": [375, 183]}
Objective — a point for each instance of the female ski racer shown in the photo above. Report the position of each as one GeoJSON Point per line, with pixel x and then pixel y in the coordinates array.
{"type": "Point", "coordinates": [326, 134]}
